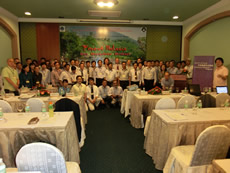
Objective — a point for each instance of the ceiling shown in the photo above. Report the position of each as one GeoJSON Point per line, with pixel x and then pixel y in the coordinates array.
{"type": "Point", "coordinates": [156, 10]}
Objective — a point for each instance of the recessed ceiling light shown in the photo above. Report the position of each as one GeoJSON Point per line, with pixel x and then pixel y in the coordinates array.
{"type": "Point", "coordinates": [28, 13]}
{"type": "Point", "coordinates": [106, 3]}
{"type": "Point", "coordinates": [175, 17]}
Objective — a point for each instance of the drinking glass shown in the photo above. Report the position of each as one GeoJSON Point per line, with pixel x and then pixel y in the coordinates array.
{"type": "Point", "coordinates": [177, 90]}
{"type": "Point", "coordinates": [194, 110]}
{"type": "Point", "coordinates": [20, 108]}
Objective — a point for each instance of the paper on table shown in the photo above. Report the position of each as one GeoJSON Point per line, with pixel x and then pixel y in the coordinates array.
{"type": "Point", "coordinates": [176, 116]}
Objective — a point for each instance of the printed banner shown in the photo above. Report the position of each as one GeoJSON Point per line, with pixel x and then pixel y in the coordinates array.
{"type": "Point", "coordinates": [203, 71]}
{"type": "Point", "coordinates": [92, 42]}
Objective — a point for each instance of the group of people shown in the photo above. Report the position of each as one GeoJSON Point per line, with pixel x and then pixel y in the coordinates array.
{"type": "Point", "coordinates": [102, 83]}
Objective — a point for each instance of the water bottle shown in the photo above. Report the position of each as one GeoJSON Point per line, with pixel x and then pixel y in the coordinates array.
{"type": "Point", "coordinates": [199, 104]}
{"type": "Point", "coordinates": [27, 108]}
{"type": "Point", "coordinates": [226, 104]}
{"type": "Point", "coordinates": [43, 110]}
{"type": "Point", "coordinates": [51, 109]}
{"type": "Point", "coordinates": [61, 92]}
{"type": "Point", "coordinates": [143, 88]}
{"type": "Point", "coordinates": [186, 104]}
{"type": "Point", "coordinates": [1, 114]}
{"type": "Point", "coordinates": [2, 166]}
{"type": "Point", "coordinates": [38, 93]}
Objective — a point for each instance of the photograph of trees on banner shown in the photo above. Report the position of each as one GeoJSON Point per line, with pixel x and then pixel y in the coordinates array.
{"type": "Point", "coordinates": [93, 43]}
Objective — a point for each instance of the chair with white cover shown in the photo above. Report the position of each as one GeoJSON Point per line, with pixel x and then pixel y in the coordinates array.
{"type": "Point", "coordinates": [191, 101]}
{"type": "Point", "coordinates": [6, 108]}
{"type": "Point", "coordinates": [212, 143]}
{"type": "Point", "coordinates": [45, 158]}
{"type": "Point", "coordinates": [221, 98]}
{"type": "Point", "coordinates": [163, 103]}
{"type": "Point", "coordinates": [35, 104]}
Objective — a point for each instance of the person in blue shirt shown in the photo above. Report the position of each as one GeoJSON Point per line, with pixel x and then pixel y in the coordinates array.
{"type": "Point", "coordinates": [25, 77]}
{"type": "Point", "coordinates": [64, 88]}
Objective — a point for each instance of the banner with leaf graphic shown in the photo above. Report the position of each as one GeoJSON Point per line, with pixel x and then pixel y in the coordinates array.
{"type": "Point", "coordinates": [96, 42]}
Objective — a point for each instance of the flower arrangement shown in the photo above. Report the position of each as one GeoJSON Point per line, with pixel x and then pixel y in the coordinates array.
{"type": "Point", "coordinates": [39, 86]}
{"type": "Point", "coordinates": [184, 71]}
{"type": "Point", "coordinates": [44, 93]}
{"type": "Point", "coordinates": [156, 90]}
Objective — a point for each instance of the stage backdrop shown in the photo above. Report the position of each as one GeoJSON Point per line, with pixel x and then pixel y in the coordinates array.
{"type": "Point", "coordinates": [203, 71]}
{"type": "Point", "coordinates": [95, 42]}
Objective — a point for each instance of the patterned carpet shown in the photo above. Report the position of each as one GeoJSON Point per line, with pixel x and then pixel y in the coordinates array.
{"type": "Point", "coordinates": [112, 145]}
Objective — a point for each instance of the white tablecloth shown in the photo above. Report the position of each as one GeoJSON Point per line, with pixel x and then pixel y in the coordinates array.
{"type": "Point", "coordinates": [144, 104]}
{"type": "Point", "coordinates": [13, 101]}
{"type": "Point", "coordinates": [59, 131]}
{"type": "Point", "coordinates": [170, 128]}
{"type": "Point", "coordinates": [126, 102]}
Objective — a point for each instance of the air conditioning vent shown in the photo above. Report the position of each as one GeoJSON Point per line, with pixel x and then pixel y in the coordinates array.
{"type": "Point", "coordinates": [100, 13]}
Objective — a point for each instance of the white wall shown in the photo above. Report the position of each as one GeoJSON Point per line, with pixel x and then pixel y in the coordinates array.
{"type": "Point", "coordinates": [12, 21]}
{"type": "Point", "coordinates": [5, 47]}
{"type": "Point", "coordinates": [223, 5]}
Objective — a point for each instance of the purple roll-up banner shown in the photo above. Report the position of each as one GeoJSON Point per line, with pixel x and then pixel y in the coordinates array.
{"type": "Point", "coordinates": [203, 71]}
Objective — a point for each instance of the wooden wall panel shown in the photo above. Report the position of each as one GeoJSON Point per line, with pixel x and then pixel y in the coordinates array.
{"type": "Point", "coordinates": [48, 42]}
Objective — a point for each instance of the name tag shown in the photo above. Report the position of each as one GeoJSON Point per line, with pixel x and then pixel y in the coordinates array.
{"type": "Point", "coordinates": [54, 94]}
{"type": "Point", "coordinates": [27, 81]}
{"type": "Point", "coordinates": [100, 74]}
{"type": "Point", "coordinates": [123, 76]}
{"type": "Point", "coordinates": [69, 94]}
{"type": "Point", "coordinates": [92, 94]}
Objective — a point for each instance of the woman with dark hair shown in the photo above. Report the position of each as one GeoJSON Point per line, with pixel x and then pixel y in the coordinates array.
{"type": "Point", "coordinates": [106, 63]}
{"type": "Point", "coordinates": [25, 77]}
{"type": "Point", "coordinates": [161, 72]}
{"type": "Point", "coordinates": [32, 66]}
{"type": "Point", "coordinates": [35, 62]}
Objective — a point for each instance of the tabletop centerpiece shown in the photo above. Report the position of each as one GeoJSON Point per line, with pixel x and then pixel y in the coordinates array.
{"type": "Point", "coordinates": [156, 90]}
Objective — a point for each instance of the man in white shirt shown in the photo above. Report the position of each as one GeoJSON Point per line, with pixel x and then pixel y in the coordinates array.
{"type": "Point", "coordinates": [73, 74]}
{"type": "Point", "coordinates": [135, 76]}
{"type": "Point", "coordinates": [72, 63]}
{"type": "Point", "coordinates": [55, 74]}
{"type": "Point", "coordinates": [220, 74]}
{"type": "Point", "coordinates": [149, 77]}
{"type": "Point", "coordinates": [92, 95]}
{"type": "Point", "coordinates": [80, 89]}
{"type": "Point", "coordinates": [189, 70]}
{"type": "Point", "coordinates": [19, 67]}
{"type": "Point", "coordinates": [123, 76]}
{"type": "Point", "coordinates": [45, 74]}
{"type": "Point", "coordinates": [92, 70]}
{"type": "Point", "coordinates": [172, 69]}
{"type": "Point", "coordinates": [77, 64]}
{"type": "Point", "coordinates": [167, 82]}
{"type": "Point", "coordinates": [110, 74]}
{"type": "Point", "coordinates": [65, 74]}
{"type": "Point", "coordinates": [117, 65]}
{"type": "Point", "coordinates": [99, 73]}
{"type": "Point", "coordinates": [104, 94]}
{"type": "Point", "coordinates": [87, 67]}
{"type": "Point", "coordinates": [83, 72]}
{"type": "Point", "coordinates": [115, 93]}
{"type": "Point", "coordinates": [129, 64]}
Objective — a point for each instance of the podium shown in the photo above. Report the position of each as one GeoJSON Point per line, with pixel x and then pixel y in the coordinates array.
{"type": "Point", "coordinates": [180, 81]}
